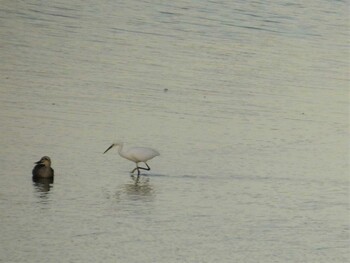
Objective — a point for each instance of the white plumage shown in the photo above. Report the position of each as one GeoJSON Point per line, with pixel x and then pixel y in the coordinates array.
{"type": "Point", "coordinates": [136, 155]}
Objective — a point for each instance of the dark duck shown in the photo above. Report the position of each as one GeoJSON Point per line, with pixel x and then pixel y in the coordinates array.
{"type": "Point", "coordinates": [43, 169]}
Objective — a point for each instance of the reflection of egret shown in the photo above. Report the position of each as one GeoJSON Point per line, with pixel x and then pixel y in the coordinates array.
{"type": "Point", "coordinates": [136, 155]}
{"type": "Point", "coordinates": [135, 189]}
{"type": "Point", "coordinates": [141, 190]}
{"type": "Point", "coordinates": [43, 169]}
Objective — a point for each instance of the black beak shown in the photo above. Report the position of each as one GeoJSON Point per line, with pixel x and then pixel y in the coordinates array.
{"type": "Point", "coordinates": [109, 148]}
{"type": "Point", "coordinates": [38, 162]}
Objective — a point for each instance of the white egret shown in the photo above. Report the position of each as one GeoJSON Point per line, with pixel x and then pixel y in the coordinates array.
{"type": "Point", "coordinates": [43, 169]}
{"type": "Point", "coordinates": [136, 155]}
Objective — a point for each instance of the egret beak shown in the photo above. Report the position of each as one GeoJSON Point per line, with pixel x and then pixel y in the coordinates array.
{"type": "Point", "coordinates": [110, 147]}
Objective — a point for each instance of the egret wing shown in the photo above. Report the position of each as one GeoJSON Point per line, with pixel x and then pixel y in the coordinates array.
{"type": "Point", "coordinates": [142, 154]}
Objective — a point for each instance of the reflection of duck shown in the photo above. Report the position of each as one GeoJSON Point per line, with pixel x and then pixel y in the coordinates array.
{"type": "Point", "coordinates": [43, 169]}
{"type": "Point", "coordinates": [43, 184]}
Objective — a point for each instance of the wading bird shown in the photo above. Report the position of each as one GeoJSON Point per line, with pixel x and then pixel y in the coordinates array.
{"type": "Point", "coordinates": [43, 169]}
{"type": "Point", "coordinates": [136, 155]}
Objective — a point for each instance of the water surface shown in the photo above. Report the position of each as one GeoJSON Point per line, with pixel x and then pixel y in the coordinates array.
{"type": "Point", "coordinates": [247, 103]}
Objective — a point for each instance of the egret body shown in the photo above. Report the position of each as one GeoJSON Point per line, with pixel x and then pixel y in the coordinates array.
{"type": "Point", "coordinates": [136, 155]}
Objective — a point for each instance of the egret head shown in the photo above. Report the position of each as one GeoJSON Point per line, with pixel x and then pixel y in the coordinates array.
{"type": "Point", "coordinates": [114, 144]}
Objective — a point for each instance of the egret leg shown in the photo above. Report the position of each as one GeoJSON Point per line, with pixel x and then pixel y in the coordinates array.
{"type": "Point", "coordinates": [148, 168]}
{"type": "Point", "coordinates": [138, 169]}
{"type": "Point", "coordinates": [135, 178]}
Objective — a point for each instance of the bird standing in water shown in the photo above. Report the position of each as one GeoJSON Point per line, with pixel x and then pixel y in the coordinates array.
{"type": "Point", "coordinates": [136, 155]}
{"type": "Point", "coordinates": [43, 169]}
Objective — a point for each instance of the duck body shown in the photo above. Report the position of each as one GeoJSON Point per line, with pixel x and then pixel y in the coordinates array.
{"type": "Point", "coordinates": [43, 168]}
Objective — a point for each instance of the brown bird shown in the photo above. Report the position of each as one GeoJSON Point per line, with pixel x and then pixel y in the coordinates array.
{"type": "Point", "coordinates": [43, 169]}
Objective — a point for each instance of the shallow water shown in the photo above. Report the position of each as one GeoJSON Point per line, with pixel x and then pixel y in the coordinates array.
{"type": "Point", "coordinates": [247, 103]}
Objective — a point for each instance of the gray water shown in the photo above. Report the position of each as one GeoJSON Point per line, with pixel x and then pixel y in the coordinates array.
{"type": "Point", "coordinates": [247, 102]}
